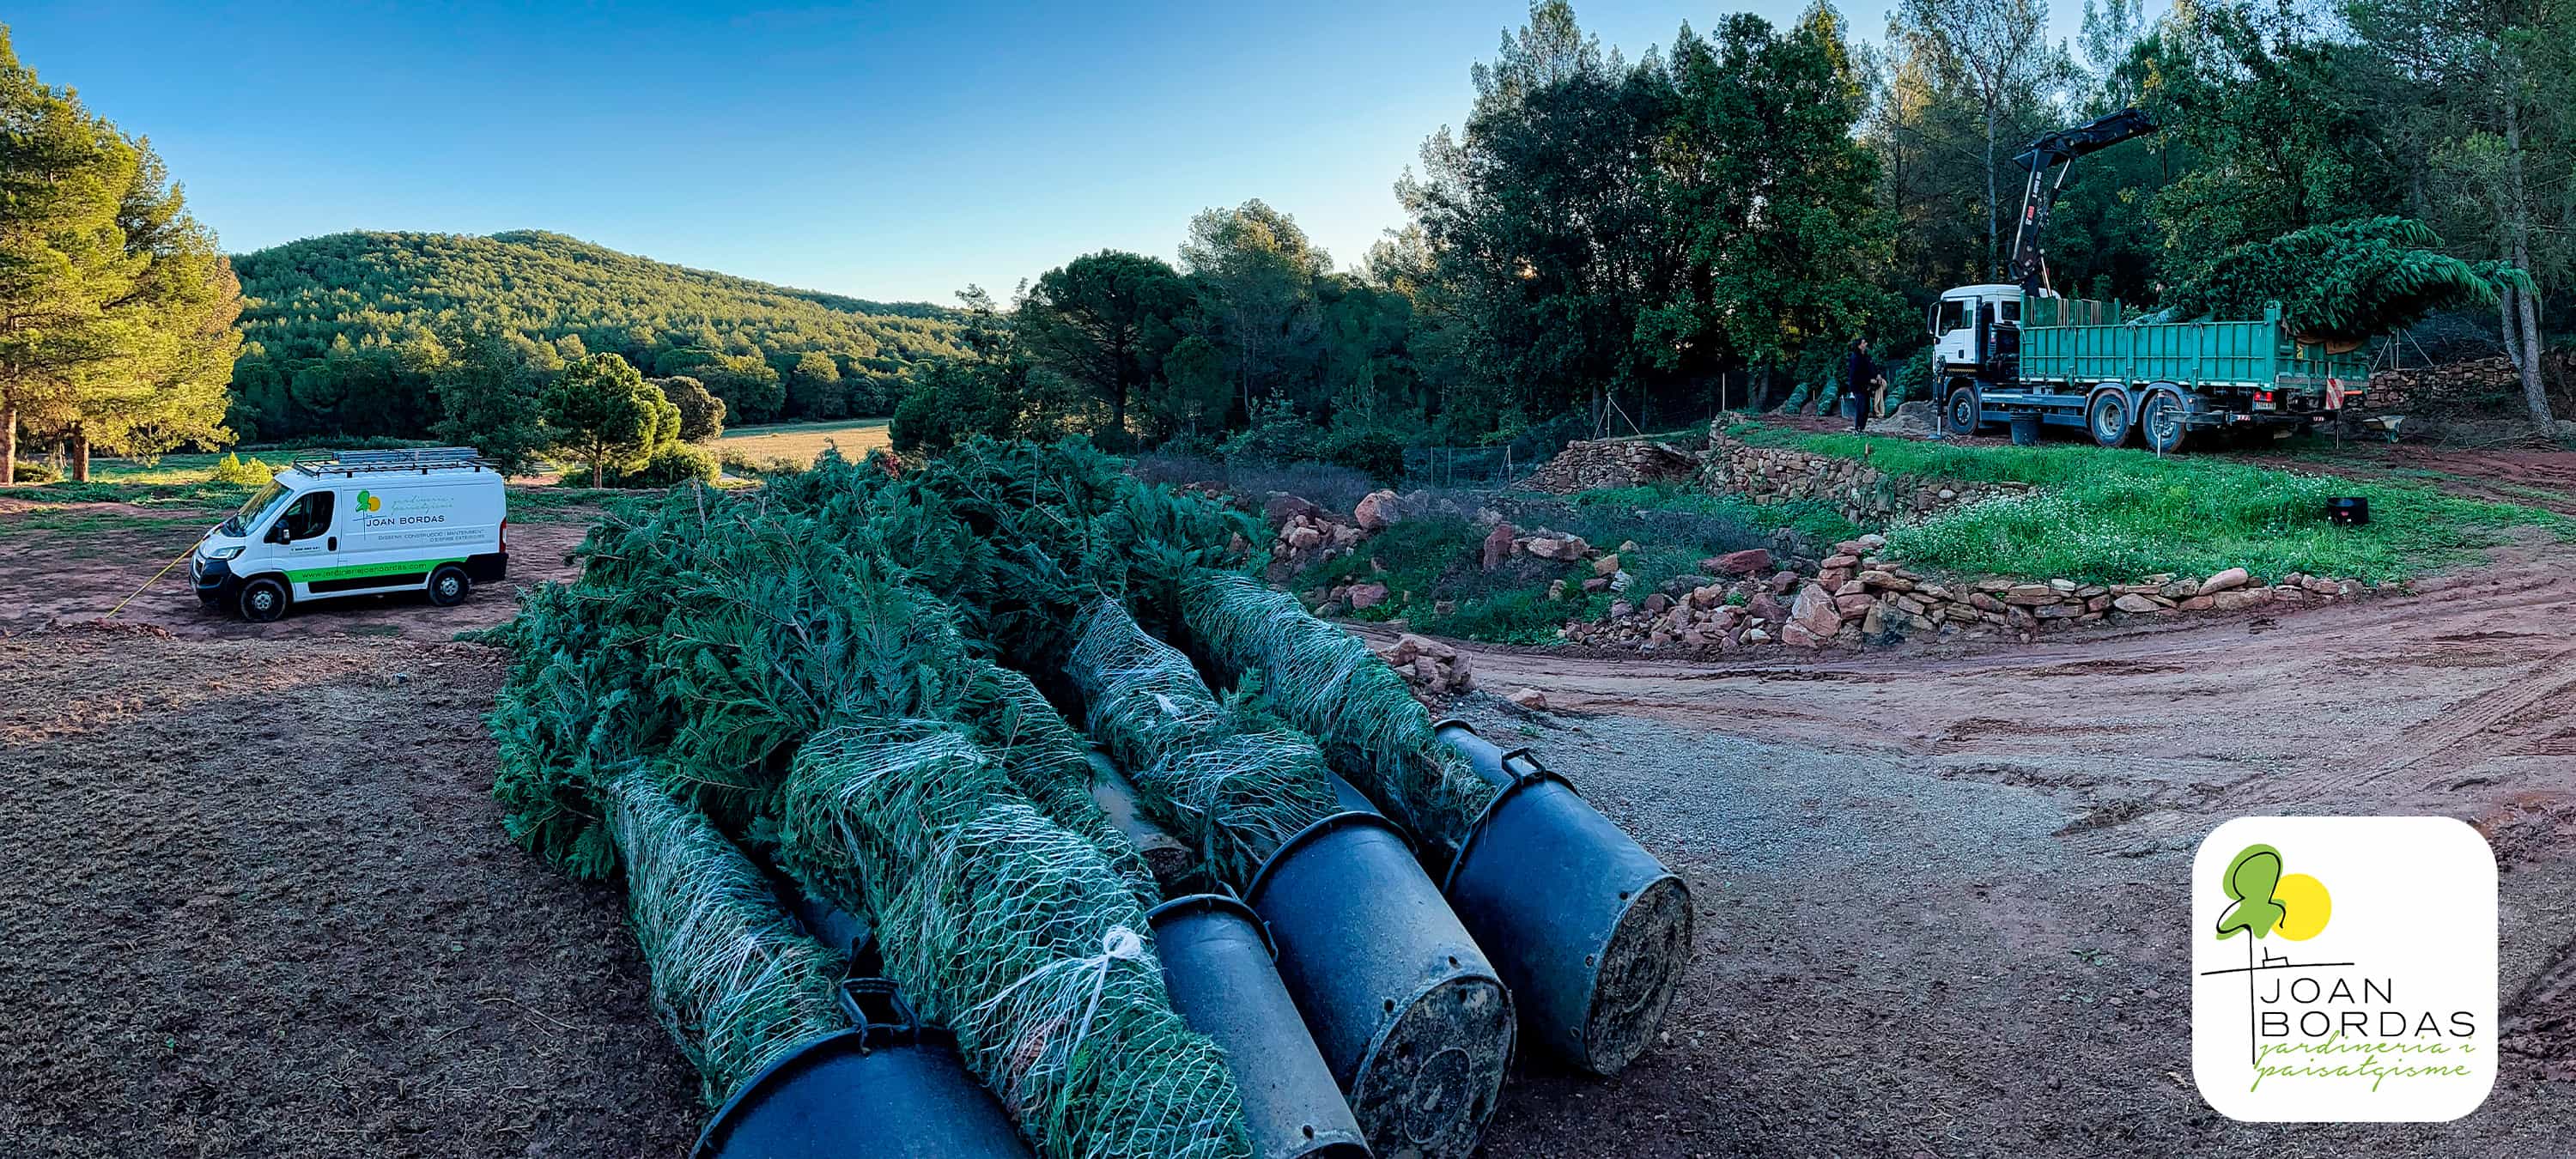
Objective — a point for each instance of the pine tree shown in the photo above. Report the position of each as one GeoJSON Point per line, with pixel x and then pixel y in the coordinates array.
{"type": "Point", "coordinates": [64, 175]}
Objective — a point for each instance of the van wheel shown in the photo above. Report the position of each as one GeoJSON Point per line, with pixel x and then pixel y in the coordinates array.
{"type": "Point", "coordinates": [448, 586]}
{"type": "Point", "coordinates": [263, 599]}
{"type": "Point", "coordinates": [2109, 418]}
{"type": "Point", "coordinates": [2161, 420]}
{"type": "Point", "coordinates": [1966, 412]}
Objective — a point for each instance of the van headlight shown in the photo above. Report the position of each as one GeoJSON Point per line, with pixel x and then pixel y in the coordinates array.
{"type": "Point", "coordinates": [224, 552]}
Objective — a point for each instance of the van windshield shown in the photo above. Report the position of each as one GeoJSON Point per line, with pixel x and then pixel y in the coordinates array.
{"type": "Point", "coordinates": [253, 509]}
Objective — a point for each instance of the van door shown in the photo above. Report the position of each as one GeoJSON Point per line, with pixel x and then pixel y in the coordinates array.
{"type": "Point", "coordinates": [307, 540]}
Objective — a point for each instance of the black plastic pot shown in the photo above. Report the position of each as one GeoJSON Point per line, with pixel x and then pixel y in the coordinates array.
{"type": "Point", "coordinates": [890, 1089]}
{"type": "Point", "coordinates": [1587, 928]}
{"type": "Point", "coordinates": [1218, 964]}
{"type": "Point", "coordinates": [1413, 1021]}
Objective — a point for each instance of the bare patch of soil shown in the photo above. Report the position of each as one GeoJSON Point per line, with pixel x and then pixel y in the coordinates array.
{"type": "Point", "coordinates": [254, 901]}
{"type": "Point", "coordinates": [82, 558]}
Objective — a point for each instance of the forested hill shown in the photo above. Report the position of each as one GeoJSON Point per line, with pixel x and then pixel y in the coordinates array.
{"type": "Point", "coordinates": [346, 330]}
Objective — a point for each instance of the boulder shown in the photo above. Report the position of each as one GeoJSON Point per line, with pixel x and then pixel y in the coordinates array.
{"type": "Point", "coordinates": [2229, 580]}
{"type": "Point", "coordinates": [1528, 698]}
{"type": "Point", "coordinates": [1303, 538]}
{"type": "Point", "coordinates": [1750, 561]}
{"type": "Point", "coordinates": [1367, 595]}
{"type": "Point", "coordinates": [1498, 545]}
{"type": "Point", "coordinates": [1376, 511]}
{"type": "Point", "coordinates": [1282, 507]}
{"type": "Point", "coordinates": [2136, 604]}
{"type": "Point", "coordinates": [1766, 607]}
{"type": "Point", "coordinates": [1559, 548]}
{"type": "Point", "coordinates": [1606, 564]}
{"type": "Point", "coordinates": [1816, 612]}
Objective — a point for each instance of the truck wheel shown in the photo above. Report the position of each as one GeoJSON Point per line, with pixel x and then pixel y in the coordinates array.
{"type": "Point", "coordinates": [2108, 416]}
{"type": "Point", "coordinates": [2162, 422]}
{"type": "Point", "coordinates": [1965, 412]}
{"type": "Point", "coordinates": [263, 599]}
{"type": "Point", "coordinates": [448, 586]}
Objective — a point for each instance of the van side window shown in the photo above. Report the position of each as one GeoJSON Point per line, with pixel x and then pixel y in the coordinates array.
{"type": "Point", "coordinates": [311, 516]}
{"type": "Point", "coordinates": [1950, 314]}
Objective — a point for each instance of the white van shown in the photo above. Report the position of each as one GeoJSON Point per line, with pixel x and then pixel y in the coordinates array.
{"type": "Point", "coordinates": [359, 523]}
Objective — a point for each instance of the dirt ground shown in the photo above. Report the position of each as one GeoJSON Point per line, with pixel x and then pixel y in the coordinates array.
{"type": "Point", "coordinates": [1942, 900]}
{"type": "Point", "coordinates": [256, 901]}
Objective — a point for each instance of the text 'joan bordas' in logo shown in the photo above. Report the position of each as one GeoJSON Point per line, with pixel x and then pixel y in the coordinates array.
{"type": "Point", "coordinates": [2344, 969]}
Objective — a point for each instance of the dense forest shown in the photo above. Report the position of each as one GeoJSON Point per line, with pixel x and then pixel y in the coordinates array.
{"type": "Point", "coordinates": [353, 334]}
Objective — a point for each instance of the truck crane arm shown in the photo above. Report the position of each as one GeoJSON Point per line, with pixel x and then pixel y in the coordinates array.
{"type": "Point", "coordinates": [2057, 151]}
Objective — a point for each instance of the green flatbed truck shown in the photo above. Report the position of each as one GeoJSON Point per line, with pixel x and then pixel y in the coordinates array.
{"type": "Point", "coordinates": [2000, 352]}
{"type": "Point", "coordinates": [2004, 350]}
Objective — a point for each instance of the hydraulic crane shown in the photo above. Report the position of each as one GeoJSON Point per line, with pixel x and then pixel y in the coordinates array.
{"type": "Point", "coordinates": [2057, 151]}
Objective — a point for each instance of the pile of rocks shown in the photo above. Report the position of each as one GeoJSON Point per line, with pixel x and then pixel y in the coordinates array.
{"type": "Point", "coordinates": [1863, 493]}
{"type": "Point", "coordinates": [1860, 597]}
{"type": "Point", "coordinates": [1304, 534]}
{"type": "Point", "coordinates": [1431, 667]}
{"type": "Point", "coordinates": [1737, 605]}
{"type": "Point", "coordinates": [1586, 466]}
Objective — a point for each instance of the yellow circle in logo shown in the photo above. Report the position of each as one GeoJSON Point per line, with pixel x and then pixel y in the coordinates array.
{"type": "Point", "coordinates": [2306, 906]}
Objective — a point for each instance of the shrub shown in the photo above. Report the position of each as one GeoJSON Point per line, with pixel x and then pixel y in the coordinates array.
{"type": "Point", "coordinates": [743, 464]}
{"type": "Point", "coordinates": [669, 465]}
{"type": "Point", "coordinates": [1278, 435]}
{"type": "Point", "coordinates": [38, 473]}
{"type": "Point", "coordinates": [233, 469]}
{"type": "Point", "coordinates": [1373, 451]}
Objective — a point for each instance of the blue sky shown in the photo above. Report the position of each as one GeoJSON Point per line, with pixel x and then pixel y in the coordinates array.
{"type": "Point", "coordinates": [889, 151]}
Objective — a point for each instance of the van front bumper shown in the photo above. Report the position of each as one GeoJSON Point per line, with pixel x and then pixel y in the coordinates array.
{"type": "Point", "coordinates": [216, 583]}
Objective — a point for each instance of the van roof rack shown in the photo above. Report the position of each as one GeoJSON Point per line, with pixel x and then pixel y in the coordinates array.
{"type": "Point", "coordinates": [422, 460]}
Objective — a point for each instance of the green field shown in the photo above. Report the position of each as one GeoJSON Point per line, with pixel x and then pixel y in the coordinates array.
{"type": "Point", "coordinates": [800, 442]}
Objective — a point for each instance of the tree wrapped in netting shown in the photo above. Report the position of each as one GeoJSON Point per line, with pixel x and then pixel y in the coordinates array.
{"type": "Point", "coordinates": [1224, 781]}
{"type": "Point", "coordinates": [1015, 933]}
{"type": "Point", "coordinates": [727, 631]}
{"type": "Point", "coordinates": [1049, 762]}
{"type": "Point", "coordinates": [1328, 684]}
{"type": "Point", "coordinates": [734, 981]}
{"type": "Point", "coordinates": [2344, 283]}
{"type": "Point", "coordinates": [1024, 537]}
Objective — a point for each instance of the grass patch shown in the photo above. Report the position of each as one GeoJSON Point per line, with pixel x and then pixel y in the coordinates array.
{"type": "Point", "coordinates": [200, 493]}
{"type": "Point", "coordinates": [2116, 515]}
{"type": "Point", "coordinates": [800, 442]}
{"type": "Point", "coordinates": [1439, 558]}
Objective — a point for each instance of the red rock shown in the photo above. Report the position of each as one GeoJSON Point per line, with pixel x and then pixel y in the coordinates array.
{"type": "Point", "coordinates": [1766, 607]}
{"type": "Point", "coordinates": [1529, 698]}
{"type": "Point", "coordinates": [1498, 545]}
{"type": "Point", "coordinates": [1367, 595]}
{"type": "Point", "coordinates": [1598, 583]}
{"type": "Point", "coordinates": [1376, 511]}
{"type": "Point", "coordinates": [2234, 577]}
{"type": "Point", "coordinates": [1656, 603]}
{"type": "Point", "coordinates": [1279, 509]}
{"type": "Point", "coordinates": [1750, 561]}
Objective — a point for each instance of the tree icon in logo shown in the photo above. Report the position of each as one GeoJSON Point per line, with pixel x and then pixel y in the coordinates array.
{"type": "Point", "coordinates": [2253, 878]}
{"type": "Point", "coordinates": [367, 501]}
{"type": "Point", "coordinates": [2268, 902]}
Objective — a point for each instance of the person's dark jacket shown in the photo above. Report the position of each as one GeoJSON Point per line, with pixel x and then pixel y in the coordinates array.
{"type": "Point", "coordinates": [1858, 370]}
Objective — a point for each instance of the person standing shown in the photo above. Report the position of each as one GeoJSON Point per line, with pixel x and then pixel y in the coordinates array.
{"type": "Point", "coordinates": [1862, 379]}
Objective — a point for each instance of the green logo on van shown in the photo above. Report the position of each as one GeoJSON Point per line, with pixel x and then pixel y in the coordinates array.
{"type": "Point", "coordinates": [367, 501]}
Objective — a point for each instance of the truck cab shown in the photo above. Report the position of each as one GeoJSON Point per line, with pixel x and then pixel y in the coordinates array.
{"type": "Point", "coordinates": [358, 523]}
{"type": "Point", "coordinates": [1975, 330]}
